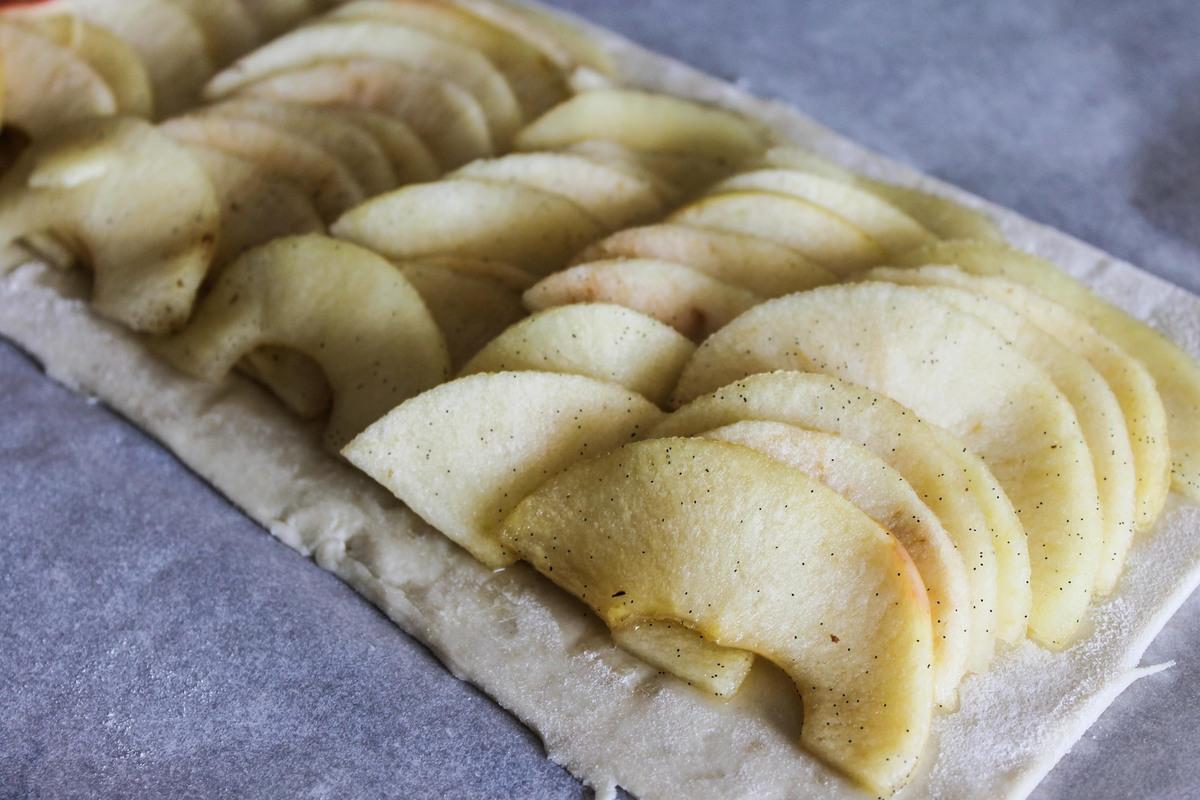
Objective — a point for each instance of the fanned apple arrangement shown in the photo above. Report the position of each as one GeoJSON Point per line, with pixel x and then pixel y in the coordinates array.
{"type": "Point", "coordinates": [741, 402]}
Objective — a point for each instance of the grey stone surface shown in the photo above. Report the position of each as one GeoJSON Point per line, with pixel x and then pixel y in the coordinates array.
{"type": "Point", "coordinates": [155, 643]}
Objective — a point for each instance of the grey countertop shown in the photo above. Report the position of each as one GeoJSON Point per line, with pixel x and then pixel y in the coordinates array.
{"type": "Point", "coordinates": [155, 643]}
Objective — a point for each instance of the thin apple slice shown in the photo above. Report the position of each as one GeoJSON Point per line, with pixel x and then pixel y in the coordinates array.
{"type": "Point", "coordinates": [324, 180]}
{"type": "Point", "coordinates": [944, 217]}
{"type": "Point", "coordinates": [753, 555]}
{"type": "Point", "coordinates": [686, 299]}
{"type": "Point", "coordinates": [470, 310]}
{"type": "Point", "coordinates": [956, 372]}
{"type": "Point", "coordinates": [148, 249]}
{"type": "Point", "coordinates": [274, 17]}
{"type": "Point", "coordinates": [338, 137]}
{"type": "Point", "coordinates": [947, 477]}
{"type": "Point", "coordinates": [343, 306]}
{"type": "Point", "coordinates": [503, 273]}
{"type": "Point", "coordinates": [563, 43]}
{"type": "Point", "coordinates": [600, 340]}
{"type": "Point", "coordinates": [340, 41]}
{"type": "Point", "coordinates": [657, 123]}
{"type": "Point", "coordinates": [230, 30]}
{"type": "Point", "coordinates": [611, 196]}
{"type": "Point", "coordinates": [256, 206]}
{"type": "Point", "coordinates": [526, 227]}
{"type": "Point", "coordinates": [671, 188]}
{"type": "Point", "coordinates": [48, 84]}
{"type": "Point", "coordinates": [1176, 373]}
{"type": "Point", "coordinates": [296, 379]}
{"type": "Point", "coordinates": [411, 159]}
{"type": "Point", "coordinates": [448, 119]}
{"type": "Point", "coordinates": [894, 230]}
{"type": "Point", "coordinates": [885, 496]}
{"type": "Point", "coordinates": [681, 651]}
{"type": "Point", "coordinates": [463, 473]}
{"type": "Point", "coordinates": [110, 56]}
{"type": "Point", "coordinates": [537, 82]}
{"type": "Point", "coordinates": [759, 265]}
{"type": "Point", "coordinates": [819, 234]}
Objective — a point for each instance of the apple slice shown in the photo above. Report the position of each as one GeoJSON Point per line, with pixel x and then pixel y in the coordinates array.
{"type": "Point", "coordinates": [956, 372]}
{"type": "Point", "coordinates": [296, 379]}
{"type": "Point", "coordinates": [688, 300]}
{"type": "Point", "coordinates": [657, 123]}
{"type": "Point", "coordinates": [345, 307]}
{"type": "Point", "coordinates": [463, 473]}
{"type": "Point", "coordinates": [470, 310]}
{"type": "Point", "coordinates": [602, 341]}
{"type": "Point", "coordinates": [615, 198]}
{"type": "Point", "coordinates": [324, 180]}
{"type": "Point", "coordinates": [759, 265]}
{"type": "Point", "coordinates": [894, 230]}
{"type": "Point", "coordinates": [534, 230]}
{"type": "Point", "coordinates": [537, 82]}
{"type": "Point", "coordinates": [230, 30]}
{"type": "Point", "coordinates": [256, 206]}
{"type": "Point", "coordinates": [1176, 373]}
{"type": "Point", "coordinates": [754, 555]}
{"type": "Point", "coordinates": [885, 496]}
{"type": "Point", "coordinates": [563, 43]}
{"type": "Point", "coordinates": [148, 249]}
{"type": "Point", "coordinates": [348, 40]}
{"type": "Point", "coordinates": [947, 477]}
{"type": "Point", "coordinates": [411, 159]}
{"type": "Point", "coordinates": [819, 234]}
{"type": "Point", "coordinates": [448, 119]}
{"type": "Point", "coordinates": [110, 56]}
{"type": "Point", "coordinates": [338, 137]}
{"type": "Point", "coordinates": [945, 218]}
{"type": "Point", "coordinates": [48, 85]}
{"type": "Point", "coordinates": [274, 17]}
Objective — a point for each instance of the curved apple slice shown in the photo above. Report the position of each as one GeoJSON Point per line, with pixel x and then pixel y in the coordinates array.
{"type": "Point", "coordinates": [48, 84]}
{"type": "Point", "coordinates": [882, 221]}
{"type": "Point", "coordinates": [759, 265]}
{"type": "Point", "coordinates": [640, 120]}
{"type": "Point", "coordinates": [274, 17]}
{"type": "Point", "coordinates": [686, 299]}
{"type": "Point", "coordinates": [447, 118]}
{"type": "Point", "coordinates": [885, 496]}
{"type": "Point", "coordinates": [611, 196]}
{"type": "Point", "coordinates": [956, 372]}
{"type": "Point", "coordinates": [948, 478]}
{"type": "Point", "coordinates": [945, 218]}
{"type": "Point", "coordinates": [345, 307]}
{"type": "Point", "coordinates": [230, 30]}
{"type": "Point", "coordinates": [463, 473]}
{"type": "Point", "coordinates": [411, 159]}
{"type": "Point", "coordinates": [816, 232]}
{"type": "Point", "coordinates": [602, 341]}
{"type": "Point", "coordinates": [563, 43]}
{"type": "Point", "coordinates": [526, 227]}
{"type": "Point", "coordinates": [148, 249]}
{"type": "Point", "coordinates": [347, 40]}
{"type": "Point", "coordinates": [753, 555]}
{"type": "Point", "coordinates": [1176, 373]}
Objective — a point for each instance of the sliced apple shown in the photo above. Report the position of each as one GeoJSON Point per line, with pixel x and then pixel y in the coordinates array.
{"type": "Point", "coordinates": [349, 144]}
{"type": "Point", "coordinates": [48, 84]}
{"type": "Point", "coordinates": [600, 340]}
{"type": "Point", "coordinates": [678, 650]}
{"type": "Point", "coordinates": [688, 300]}
{"type": "Point", "coordinates": [448, 119]}
{"type": "Point", "coordinates": [537, 81]}
{"type": "Point", "coordinates": [566, 45]}
{"type": "Point", "coordinates": [471, 310]}
{"type": "Point", "coordinates": [503, 273]}
{"type": "Point", "coordinates": [885, 496]}
{"type": "Point", "coordinates": [327, 182]}
{"type": "Point", "coordinates": [819, 234]}
{"type": "Point", "coordinates": [343, 306]}
{"type": "Point", "coordinates": [611, 196]}
{"type": "Point", "coordinates": [274, 17]}
{"type": "Point", "coordinates": [894, 230]}
{"type": "Point", "coordinates": [526, 227]}
{"type": "Point", "coordinates": [230, 30]}
{"type": "Point", "coordinates": [334, 41]}
{"type": "Point", "coordinates": [110, 56]}
{"type": "Point", "coordinates": [958, 373]}
{"type": "Point", "coordinates": [463, 473]}
{"type": "Point", "coordinates": [296, 379]}
{"type": "Point", "coordinates": [657, 123]}
{"type": "Point", "coordinates": [411, 159]}
{"type": "Point", "coordinates": [759, 265]}
{"type": "Point", "coordinates": [1176, 372]}
{"type": "Point", "coordinates": [148, 249]}
{"type": "Point", "coordinates": [753, 555]}
{"type": "Point", "coordinates": [947, 477]}
{"type": "Point", "coordinates": [943, 217]}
